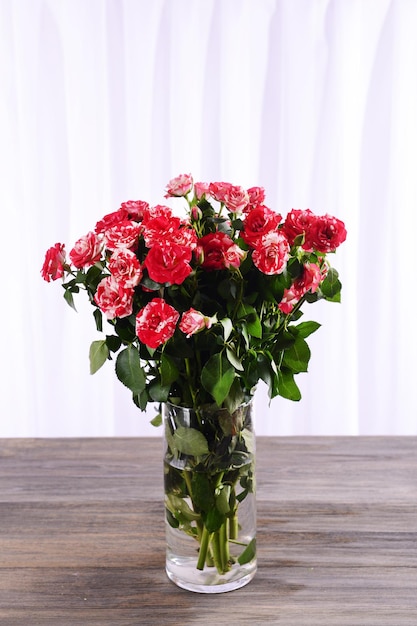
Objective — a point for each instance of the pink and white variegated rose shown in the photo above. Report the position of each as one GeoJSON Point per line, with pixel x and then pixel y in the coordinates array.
{"type": "Point", "coordinates": [135, 209]}
{"type": "Point", "coordinates": [193, 322]}
{"type": "Point", "coordinates": [54, 264]}
{"type": "Point", "coordinates": [218, 191]}
{"type": "Point", "coordinates": [236, 199]}
{"type": "Point", "coordinates": [271, 253]}
{"type": "Point", "coordinates": [125, 234]}
{"type": "Point", "coordinates": [124, 266]}
{"type": "Point", "coordinates": [201, 189]}
{"type": "Point", "coordinates": [86, 251]}
{"type": "Point", "coordinates": [201, 307]}
{"type": "Point", "coordinates": [114, 298]}
{"type": "Point", "coordinates": [179, 186]}
{"type": "Point", "coordinates": [308, 281]}
{"type": "Point", "coordinates": [256, 197]}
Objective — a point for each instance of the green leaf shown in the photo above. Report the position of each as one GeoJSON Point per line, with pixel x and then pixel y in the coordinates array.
{"type": "Point", "coordinates": [252, 322]}
{"type": "Point", "coordinates": [287, 387]}
{"type": "Point", "coordinates": [297, 356]}
{"type": "Point", "coordinates": [217, 377]}
{"type": "Point", "coordinates": [307, 328]}
{"type": "Point", "coordinates": [180, 509]}
{"type": "Point", "coordinates": [222, 499]}
{"type": "Point", "coordinates": [248, 553]}
{"type": "Point", "coordinates": [172, 521]}
{"type": "Point", "coordinates": [245, 335]}
{"type": "Point", "coordinates": [129, 370]}
{"type": "Point", "coordinates": [141, 399]}
{"type": "Point", "coordinates": [157, 420]}
{"type": "Point", "coordinates": [272, 287]}
{"type": "Point", "coordinates": [202, 491]}
{"type": "Point", "coordinates": [190, 441]}
{"type": "Point", "coordinates": [125, 328]}
{"type": "Point", "coordinates": [150, 284]}
{"type": "Point", "coordinates": [113, 342]}
{"type": "Point", "coordinates": [158, 392]}
{"type": "Point", "coordinates": [226, 322]}
{"type": "Point", "coordinates": [234, 398]}
{"type": "Point", "coordinates": [98, 354]}
{"type": "Point", "coordinates": [265, 372]}
{"type": "Point", "coordinates": [213, 520]}
{"type": "Point", "coordinates": [233, 360]}
{"type": "Point", "coordinates": [227, 289]}
{"type": "Point", "coordinates": [169, 371]}
{"type": "Point", "coordinates": [331, 286]}
{"type": "Point", "coordinates": [98, 317]}
{"type": "Point", "coordinates": [93, 276]}
{"type": "Point", "coordinates": [68, 297]}
{"type": "Point", "coordinates": [284, 340]}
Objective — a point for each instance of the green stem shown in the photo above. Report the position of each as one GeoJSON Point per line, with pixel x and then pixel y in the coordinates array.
{"type": "Point", "coordinates": [187, 479]}
{"type": "Point", "coordinates": [204, 544]}
{"type": "Point", "coordinates": [190, 381]}
{"type": "Point", "coordinates": [220, 548]}
{"type": "Point", "coordinates": [215, 543]}
{"type": "Point", "coordinates": [224, 547]}
{"type": "Point", "coordinates": [234, 526]}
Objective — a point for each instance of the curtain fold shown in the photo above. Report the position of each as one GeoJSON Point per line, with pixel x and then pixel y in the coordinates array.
{"type": "Point", "coordinates": [106, 100]}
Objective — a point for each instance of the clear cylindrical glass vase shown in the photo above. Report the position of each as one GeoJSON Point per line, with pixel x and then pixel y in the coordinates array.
{"type": "Point", "coordinates": [210, 497]}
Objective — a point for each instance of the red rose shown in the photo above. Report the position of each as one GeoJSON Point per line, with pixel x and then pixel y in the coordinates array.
{"type": "Point", "coordinates": [179, 186]}
{"type": "Point", "coordinates": [53, 265]}
{"type": "Point", "coordinates": [297, 223]}
{"type": "Point", "coordinates": [86, 251]}
{"type": "Point", "coordinates": [159, 228]}
{"type": "Point", "coordinates": [156, 323]}
{"type": "Point", "coordinates": [168, 263]}
{"type": "Point", "coordinates": [110, 220]}
{"type": "Point", "coordinates": [124, 266]}
{"type": "Point", "coordinates": [125, 234]}
{"type": "Point", "coordinates": [271, 253]}
{"type": "Point", "coordinates": [162, 229]}
{"type": "Point", "coordinates": [218, 252]}
{"type": "Point", "coordinates": [325, 234]}
{"type": "Point", "coordinates": [258, 222]}
{"type": "Point", "coordinates": [159, 210]}
{"type": "Point", "coordinates": [113, 298]}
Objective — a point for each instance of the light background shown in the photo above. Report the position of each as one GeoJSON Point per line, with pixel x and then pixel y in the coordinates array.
{"type": "Point", "coordinates": [103, 101]}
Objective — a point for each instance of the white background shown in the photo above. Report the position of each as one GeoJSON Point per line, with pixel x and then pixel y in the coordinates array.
{"type": "Point", "coordinates": [103, 101]}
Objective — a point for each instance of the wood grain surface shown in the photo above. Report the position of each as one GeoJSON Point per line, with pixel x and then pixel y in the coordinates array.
{"type": "Point", "coordinates": [82, 535]}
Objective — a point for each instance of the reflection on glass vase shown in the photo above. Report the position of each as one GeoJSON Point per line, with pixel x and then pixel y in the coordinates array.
{"type": "Point", "coordinates": [210, 502]}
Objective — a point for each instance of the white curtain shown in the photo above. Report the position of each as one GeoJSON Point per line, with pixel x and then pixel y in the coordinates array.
{"type": "Point", "coordinates": [103, 101]}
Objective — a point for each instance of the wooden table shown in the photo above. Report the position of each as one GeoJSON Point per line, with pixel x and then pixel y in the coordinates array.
{"type": "Point", "coordinates": [82, 535]}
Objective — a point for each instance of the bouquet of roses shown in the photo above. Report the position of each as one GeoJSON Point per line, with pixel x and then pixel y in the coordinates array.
{"type": "Point", "coordinates": [201, 307]}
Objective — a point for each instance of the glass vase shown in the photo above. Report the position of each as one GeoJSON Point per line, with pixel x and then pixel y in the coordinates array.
{"type": "Point", "coordinates": [210, 500]}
